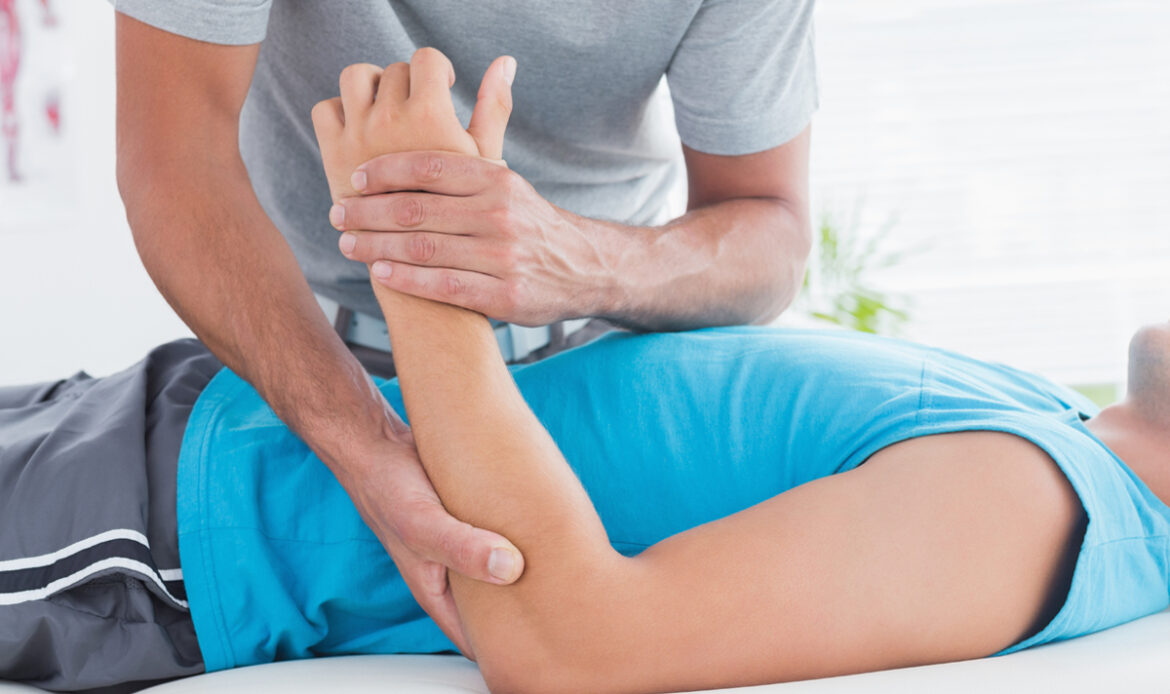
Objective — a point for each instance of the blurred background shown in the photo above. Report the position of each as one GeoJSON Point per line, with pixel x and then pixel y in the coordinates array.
{"type": "Point", "coordinates": [991, 176]}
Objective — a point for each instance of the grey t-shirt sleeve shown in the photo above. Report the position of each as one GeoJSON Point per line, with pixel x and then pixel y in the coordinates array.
{"type": "Point", "coordinates": [744, 77]}
{"type": "Point", "coordinates": [230, 22]}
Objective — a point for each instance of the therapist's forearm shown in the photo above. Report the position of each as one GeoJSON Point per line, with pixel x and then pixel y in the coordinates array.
{"type": "Point", "coordinates": [735, 262]}
{"type": "Point", "coordinates": [224, 267]}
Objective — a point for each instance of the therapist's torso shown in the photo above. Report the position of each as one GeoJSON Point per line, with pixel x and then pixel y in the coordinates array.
{"type": "Point", "coordinates": [592, 127]}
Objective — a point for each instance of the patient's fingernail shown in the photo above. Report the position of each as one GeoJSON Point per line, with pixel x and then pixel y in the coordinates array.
{"type": "Point", "coordinates": [502, 564]}
{"type": "Point", "coordinates": [509, 70]}
{"type": "Point", "coordinates": [382, 269]}
{"type": "Point", "coordinates": [337, 216]}
{"type": "Point", "coordinates": [358, 180]}
{"type": "Point", "coordinates": [347, 243]}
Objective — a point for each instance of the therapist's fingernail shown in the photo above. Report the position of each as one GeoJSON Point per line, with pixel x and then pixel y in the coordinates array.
{"type": "Point", "coordinates": [347, 243]}
{"type": "Point", "coordinates": [382, 270]}
{"type": "Point", "coordinates": [502, 564]}
{"type": "Point", "coordinates": [358, 180]}
{"type": "Point", "coordinates": [337, 216]}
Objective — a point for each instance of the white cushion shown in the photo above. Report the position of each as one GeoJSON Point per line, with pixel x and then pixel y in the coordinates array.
{"type": "Point", "coordinates": [1133, 657]}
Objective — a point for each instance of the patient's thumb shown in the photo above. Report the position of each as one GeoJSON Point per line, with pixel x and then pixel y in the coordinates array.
{"type": "Point", "coordinates": [493, 106]}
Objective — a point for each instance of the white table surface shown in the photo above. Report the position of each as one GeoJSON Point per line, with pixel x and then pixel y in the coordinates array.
{"type": "Point", "coordinates": [1130, 658]}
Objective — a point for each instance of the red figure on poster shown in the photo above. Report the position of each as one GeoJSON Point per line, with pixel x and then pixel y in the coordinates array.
{"type": "Point", "coordinates": [9, 68]}
{"type": "Point", "coordinates": [53, 111]}
{"type": "Point", "coordinates": [50, 19]}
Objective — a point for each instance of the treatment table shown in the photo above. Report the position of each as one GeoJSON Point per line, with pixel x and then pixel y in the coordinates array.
{"type": "Point", "coordinates": [1134, 657]}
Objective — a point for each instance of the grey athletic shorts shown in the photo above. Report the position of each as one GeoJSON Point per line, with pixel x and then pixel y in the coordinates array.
{"type": "Point", "coordinates": [91, 593]}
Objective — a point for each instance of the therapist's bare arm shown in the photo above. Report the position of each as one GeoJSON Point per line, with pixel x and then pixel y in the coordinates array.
{"type": "Point", "coordinates": [210, 248]}
{"type": "Point", "coordinates": [226, 269]}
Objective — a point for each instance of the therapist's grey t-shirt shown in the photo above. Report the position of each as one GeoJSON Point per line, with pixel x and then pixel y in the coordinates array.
{"type": "Point", "coordinates": [591, 127]}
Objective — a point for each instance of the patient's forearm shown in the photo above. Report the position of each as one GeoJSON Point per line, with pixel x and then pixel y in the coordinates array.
{"type": "Point", "coordinates": [491, 461]}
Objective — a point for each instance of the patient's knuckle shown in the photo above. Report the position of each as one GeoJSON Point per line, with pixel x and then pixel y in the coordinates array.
{"type": "Point", "coordinates": [427, 111]}
{"type": "Point", "coordinates": [347, 74]}
{"type": "Point", "coordinates": [382, 117]}
{"type": "Point", "coordinates": [353, 75]}
{"type": "Point", "coordinates": [395, 74]}
{"type": "Point", "coordinates": [320, 111]}
{"type": "Point", "coordinates": [426, 53]}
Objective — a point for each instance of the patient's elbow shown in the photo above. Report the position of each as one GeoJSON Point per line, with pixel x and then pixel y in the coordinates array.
{"type": "Point", "coordinates": [511, 672]}
{"type": "Point", "coordinates": [552, 630]}
{"type": "Point", "coordinates": [555, 643]}
{"type": "Point", "coordinates": [532, 670]}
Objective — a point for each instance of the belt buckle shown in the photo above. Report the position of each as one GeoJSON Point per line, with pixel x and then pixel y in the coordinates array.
{"type": "Point", "coordinates": [515, 341]}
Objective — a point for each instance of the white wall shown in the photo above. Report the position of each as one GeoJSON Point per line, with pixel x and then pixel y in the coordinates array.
{"type": "Point", "coordinates": [1026, 144]}
{"type": "Point", "coordinates": [73, 294]}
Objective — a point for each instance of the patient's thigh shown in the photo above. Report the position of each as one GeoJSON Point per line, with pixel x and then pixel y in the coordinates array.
{"type": "Point", "coordinates": [22, 396]}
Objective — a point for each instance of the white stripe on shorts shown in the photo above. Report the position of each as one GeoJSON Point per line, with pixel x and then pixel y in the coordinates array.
{"type": "Point", "coordinates": [79, 576]}
{"type": "Point", "coordinates": [156, 577]}
{"type": "Point", "coordinates": [54, 557]}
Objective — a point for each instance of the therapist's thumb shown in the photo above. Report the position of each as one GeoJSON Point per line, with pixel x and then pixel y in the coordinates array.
{"type": "Point", "coordinates": [465, 549]}
{"type": "Point", "coordinates": [493, 107]}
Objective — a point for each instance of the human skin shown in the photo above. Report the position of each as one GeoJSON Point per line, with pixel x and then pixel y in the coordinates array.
{"type": "Point", "coordinates": [459, 232]}
{"type": "Point", "coordinates": [219, 261]}
{"type": "Point", "coordinates": [938, 548]}
{"type": "Point", "coordinates": [201, 233]}
{"type": "Point", "coordinates": [1137, 429]}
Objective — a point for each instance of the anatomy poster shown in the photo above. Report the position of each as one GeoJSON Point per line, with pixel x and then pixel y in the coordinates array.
{"type": "Point", "coordinates": [36, 157]}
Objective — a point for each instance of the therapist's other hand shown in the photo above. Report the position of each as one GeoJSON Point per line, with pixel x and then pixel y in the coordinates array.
{"type": "Point", "coordinates": [396, 500]}
{"type": "Point", "coordinates": [463, 231]}
{"type": "Point", "coordinates": [400, 108]}
{"type": "Point", "coordinates": [469, 232]}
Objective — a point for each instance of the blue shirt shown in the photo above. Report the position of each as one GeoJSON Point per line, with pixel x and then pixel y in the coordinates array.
{"type": "Point", "coordinates": [666, 432]}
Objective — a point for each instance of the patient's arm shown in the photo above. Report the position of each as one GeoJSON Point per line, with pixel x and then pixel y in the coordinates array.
{"type": "Point", "coordinates": [485, 452]}
{"type": "Point", "coordinates": [937, 549]}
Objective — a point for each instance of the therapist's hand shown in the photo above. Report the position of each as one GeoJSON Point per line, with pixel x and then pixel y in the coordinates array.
{"type": "Point", "coordinates": [462, 230]}
{"type": "Point", "coordinates": [397, 501]}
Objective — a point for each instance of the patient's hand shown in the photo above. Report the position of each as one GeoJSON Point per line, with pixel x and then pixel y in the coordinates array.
{"type": "Point", "coordinates": [406, 108]}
